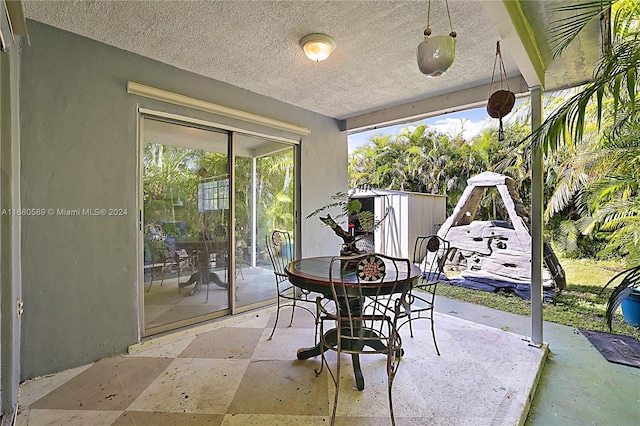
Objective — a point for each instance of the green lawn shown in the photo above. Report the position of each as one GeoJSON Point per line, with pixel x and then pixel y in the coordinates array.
{"type": "Point", "coordinates": [579, 305]}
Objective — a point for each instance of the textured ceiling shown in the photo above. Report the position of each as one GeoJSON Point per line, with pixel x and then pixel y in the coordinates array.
{"type": "Point", "coordinates": [256, 45]}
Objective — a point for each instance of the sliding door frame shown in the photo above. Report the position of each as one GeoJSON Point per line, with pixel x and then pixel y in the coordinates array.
{"type": "Point", "coordinates": [145, 113]}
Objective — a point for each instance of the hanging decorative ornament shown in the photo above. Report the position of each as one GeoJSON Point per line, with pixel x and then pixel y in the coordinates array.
{"type": "Point", "coordinates": [436, 54]}
{"type": "Point", "coordinates": [501, 101]}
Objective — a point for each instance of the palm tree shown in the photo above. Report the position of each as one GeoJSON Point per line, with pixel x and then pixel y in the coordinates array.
{"type": "Point", "coordinates": [595, 191]}
{"type": "Point", "coordinates": [275, 192]}
{"type": "Point", "coordinates": [615, 77]}
{"type": "Point", "coordinates": [612, 197]}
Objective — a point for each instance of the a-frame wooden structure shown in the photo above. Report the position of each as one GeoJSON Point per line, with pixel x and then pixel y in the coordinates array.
{"type": "Point", "coordinates": [497, 250]}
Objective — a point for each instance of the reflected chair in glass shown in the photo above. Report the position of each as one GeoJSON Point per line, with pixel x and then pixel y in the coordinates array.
{"type": "Point", "coordinates": [161, 261]}
{"type": "Point", "coordinates": [281, 251]}
{"type": "Point", "coordinates": [241, 260]}
{"type": "Point", "coordinates": [365, 315]}
{"type": "Point", "coordinates": [430, 254]}
{"type": "Point", "coordinates": [185, 261]}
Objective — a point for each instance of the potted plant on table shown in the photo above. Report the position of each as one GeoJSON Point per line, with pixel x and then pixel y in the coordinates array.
{"type": "Point", "coordinates": [625, 294]}
{"type": "Point", "coordinates": [348, 208]}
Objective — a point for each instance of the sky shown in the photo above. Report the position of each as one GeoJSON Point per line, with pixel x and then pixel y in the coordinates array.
{"type": "Point", "coordinates": [471, 121]}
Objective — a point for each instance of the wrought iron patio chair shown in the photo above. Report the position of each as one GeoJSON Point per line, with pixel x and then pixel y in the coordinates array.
{"type": "Point", "coordinates": [161, 261]}
{"type": "Point", "coordinates": [240, 260]}
{"type": "Point", "coordinates": [365, 316]}
{"type": "Point", "coordinates": [281, 251]}
{"type": "Point", "coordinates": [430, 253]}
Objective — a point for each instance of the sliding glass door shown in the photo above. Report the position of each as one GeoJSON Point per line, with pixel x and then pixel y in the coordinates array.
{"type": "Point", "coordinates": [264, 200]}
{"type": "Point", "coordinates": [209, 196]}
{"type": "Point", "coordinates": [185, 223]}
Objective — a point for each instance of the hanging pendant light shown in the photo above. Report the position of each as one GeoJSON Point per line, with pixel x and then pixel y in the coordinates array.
{"type": "Point", "coordinates": [501, 101]}
{"type": "Point", "coordinates": [436, 54]}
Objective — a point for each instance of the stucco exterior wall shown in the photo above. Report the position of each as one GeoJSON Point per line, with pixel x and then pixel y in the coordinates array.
{"type": "Point", "coordinates": [9, 223]}
{"type": "Point", "coordinates": [79, 150]}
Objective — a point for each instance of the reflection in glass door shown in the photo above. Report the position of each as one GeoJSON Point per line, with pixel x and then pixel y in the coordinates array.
{"type": "Point", "coordinates": [185, 224]}
{"type": "Point", "coordinates": [203, 229]}
{"type": "Point", "coordinates": [264, 200]}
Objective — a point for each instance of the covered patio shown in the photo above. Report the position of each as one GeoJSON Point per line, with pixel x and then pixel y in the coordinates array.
{"type": "Point", "coordinates": [238, 64]}
{"type": "Point", "coordinates": [576, 386]}
{"type": "Point", "coordinates": [229, 373]}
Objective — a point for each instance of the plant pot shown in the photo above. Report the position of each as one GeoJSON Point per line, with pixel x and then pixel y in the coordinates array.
{"type": "Point", "coordinates": [631, 309]}
{"type": "Point", "coordinates": [436, 54]}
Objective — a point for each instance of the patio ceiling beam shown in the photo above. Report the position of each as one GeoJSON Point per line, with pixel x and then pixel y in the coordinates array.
{"type": "Point", "coordinates": [434, 106]}
{"type": "Point", "coordinates": [519, 38]}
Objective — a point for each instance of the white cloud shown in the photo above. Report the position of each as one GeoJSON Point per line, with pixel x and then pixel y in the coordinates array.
{"type": "Point", "coordinates": [453, 126]}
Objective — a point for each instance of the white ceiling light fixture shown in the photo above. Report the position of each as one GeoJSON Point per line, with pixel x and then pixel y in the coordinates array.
{"type": "Point", "coordinates": [436, 54]}
{"type": "Point", "coordinates": [317, 47]}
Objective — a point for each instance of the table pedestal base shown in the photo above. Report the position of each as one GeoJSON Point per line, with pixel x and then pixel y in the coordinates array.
{"type": "Point", "coordinates": [331, 337]}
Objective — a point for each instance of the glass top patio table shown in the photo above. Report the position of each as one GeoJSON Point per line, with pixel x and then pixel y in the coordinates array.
{"type": "Point", "coordinates": [313, 274]}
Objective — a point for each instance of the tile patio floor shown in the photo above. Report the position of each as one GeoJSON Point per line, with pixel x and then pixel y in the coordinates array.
{"type": "Point", "coordinates": [228, 373]}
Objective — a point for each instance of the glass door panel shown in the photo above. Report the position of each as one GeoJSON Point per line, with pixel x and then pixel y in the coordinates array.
{"type": "Point", "coordinates": [264, 200]}
{"type": "Point", "coordinates": [185, 206]}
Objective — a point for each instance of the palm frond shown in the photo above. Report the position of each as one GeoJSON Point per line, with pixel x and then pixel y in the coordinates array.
{"type": "Point", "coordinates": [613, 214]}
{"type": "Point", "coordinates": [570, 184]}
{"type": "Point", "coordinates": [566, 125]}
{"type": "Point", "coordinates": [564, 30]}
{"type": "Point", "coordinates": [619, 223]}
{"type": "Point", "coordinates": [569, 233]}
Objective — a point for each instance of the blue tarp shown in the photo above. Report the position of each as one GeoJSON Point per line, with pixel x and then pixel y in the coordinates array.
{"type": "Point", "coordinates": [493, 286]}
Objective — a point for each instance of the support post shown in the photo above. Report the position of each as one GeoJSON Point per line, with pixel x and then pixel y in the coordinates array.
{"type": "Point", "coordinates": [537, 207]}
